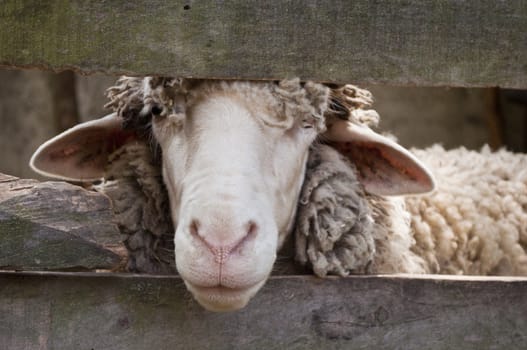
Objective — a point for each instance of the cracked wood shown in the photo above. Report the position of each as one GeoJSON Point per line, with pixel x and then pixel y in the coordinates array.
{"type": "Point", "coordinates": [56, 226]}
{"type": "Point", "coordinates": [118, 311]}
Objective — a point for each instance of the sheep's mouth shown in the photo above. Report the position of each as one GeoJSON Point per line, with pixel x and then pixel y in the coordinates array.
{"type": "Point", "coordinates": [220, 298]}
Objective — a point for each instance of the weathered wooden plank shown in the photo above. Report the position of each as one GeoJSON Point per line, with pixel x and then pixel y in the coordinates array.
{"type": "Point", "coordinates": [403, 42]}
{"type": "Point", "coordinates": [68, 311]}
{"type": "Point", "coordinates": [56, 226]}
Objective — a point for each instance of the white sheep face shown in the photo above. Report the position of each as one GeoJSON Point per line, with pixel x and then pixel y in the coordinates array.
{"type": "Point", "coordinates": [233, 175]}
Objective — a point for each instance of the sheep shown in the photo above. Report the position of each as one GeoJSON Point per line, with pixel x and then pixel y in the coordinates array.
{"type": "Point", "coordinates": [210, 178]}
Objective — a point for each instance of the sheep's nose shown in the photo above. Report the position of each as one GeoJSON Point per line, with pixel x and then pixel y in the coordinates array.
{"type": "Point", "coordinates": [223, 239]}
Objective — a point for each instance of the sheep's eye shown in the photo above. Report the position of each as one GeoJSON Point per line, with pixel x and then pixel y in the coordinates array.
{"type": "Point", "coordinates": [156, 111]}
{"type": "Point", "coordinates": [307, 124]}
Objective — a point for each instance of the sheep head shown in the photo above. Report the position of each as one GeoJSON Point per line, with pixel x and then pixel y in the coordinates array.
{"type": "Point", "coordinates": [233, 157]}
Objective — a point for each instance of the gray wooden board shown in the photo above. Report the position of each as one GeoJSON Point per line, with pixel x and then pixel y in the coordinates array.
{"type": "Point", "coordinates": [403, 42]}
{"type": "Point", "coordinates": [56, 226]}
{"type": "Point", "coordinates": [105, 311]}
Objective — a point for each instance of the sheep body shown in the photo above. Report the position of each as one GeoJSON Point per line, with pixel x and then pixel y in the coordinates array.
{"type": "Point", "coordinates": [476, 220]}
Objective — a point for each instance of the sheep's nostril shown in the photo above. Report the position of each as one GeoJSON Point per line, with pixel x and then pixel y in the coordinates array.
{"type": "Point", "coordinates": [252, 229]}
{"type": "Point", "coordinates": [194, 228]}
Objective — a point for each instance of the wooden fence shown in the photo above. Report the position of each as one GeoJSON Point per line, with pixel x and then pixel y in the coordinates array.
{"type": "Point", "coordinates": [54, 236]}
{"type": "Point", "coordinates": [399, 42]}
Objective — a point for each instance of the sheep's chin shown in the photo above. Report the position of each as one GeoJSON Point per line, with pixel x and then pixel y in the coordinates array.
{"type": "Point", "coordinates": [223, 299]}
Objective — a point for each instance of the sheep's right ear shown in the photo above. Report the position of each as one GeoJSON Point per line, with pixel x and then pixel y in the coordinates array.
{"type": "Point", "coordinates": [384, 167]}
{"type": "Point", "coordinates": [81, 153]}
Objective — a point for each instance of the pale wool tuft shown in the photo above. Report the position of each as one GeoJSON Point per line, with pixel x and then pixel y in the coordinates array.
{"type": "Point", "coordinates": [476, 221]}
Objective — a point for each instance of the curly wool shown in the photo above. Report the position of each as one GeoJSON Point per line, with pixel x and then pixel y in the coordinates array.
{"type": "Point", "coordinates": [132, 98]}
{"type": "Point", "coordinates": [135, 186]}
{"type": "Point", "coordinates": [476, 221]}
{"type": "Point", "coordinates": [342, 230]}
{"type": "Point", "coordinates": [334, 222]}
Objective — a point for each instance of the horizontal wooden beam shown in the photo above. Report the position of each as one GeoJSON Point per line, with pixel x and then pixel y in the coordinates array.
{"type": "Point", "coordinates": [400, 42]}
{"type": "Point", "coordinates": [91, 311]}
{"type": "Point", "coordinates": [56, 226]}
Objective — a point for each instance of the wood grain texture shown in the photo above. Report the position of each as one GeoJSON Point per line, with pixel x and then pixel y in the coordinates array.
{"type": "Point", "coordinates": [400, 42]}
{"type": "Point", "coordinates": [56, 226]}
{"type": "Point", "coordinates": [75, 311]}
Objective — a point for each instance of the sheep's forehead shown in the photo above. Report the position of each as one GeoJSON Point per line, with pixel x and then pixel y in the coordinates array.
{"type": "Point", "coordinates": [282, 104]}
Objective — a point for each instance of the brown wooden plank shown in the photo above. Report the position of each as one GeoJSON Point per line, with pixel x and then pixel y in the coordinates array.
{"type": "Point", "coordinates": [67, 311]}
{"type": "Point", "coordinates": [402, 42]}
{"type": "Point", "coordinates": [56, 226]}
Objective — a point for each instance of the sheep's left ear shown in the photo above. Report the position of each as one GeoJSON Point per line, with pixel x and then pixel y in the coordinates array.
{"type": "Point", "coordinates": [384, 167]}
{"type": "Point", "coordinates": [81, 153]}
